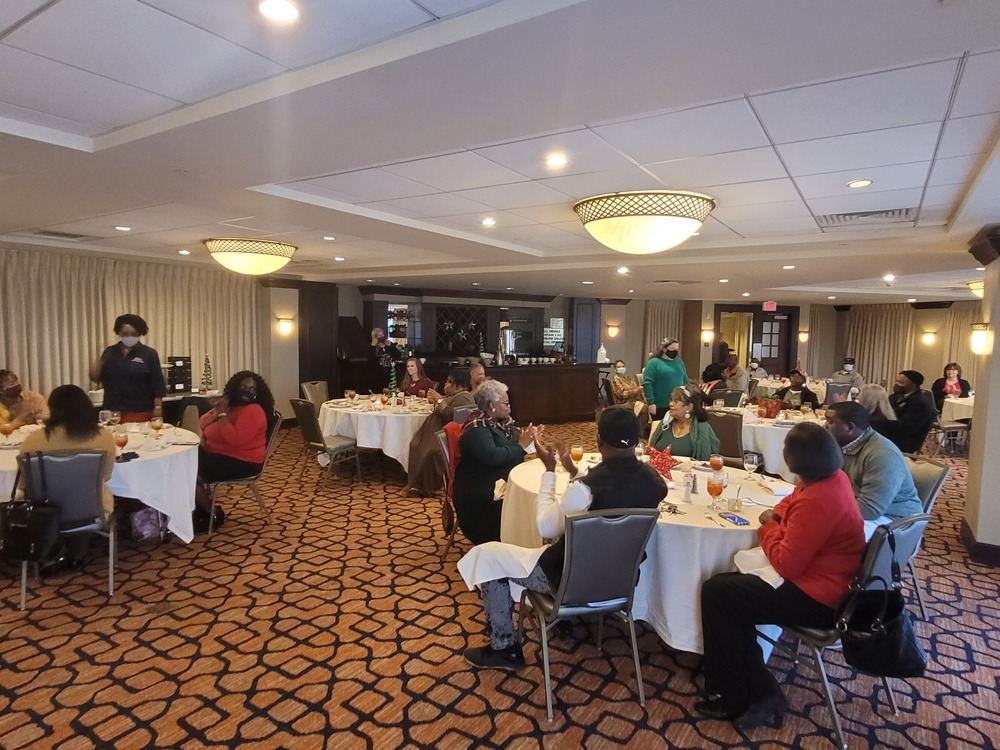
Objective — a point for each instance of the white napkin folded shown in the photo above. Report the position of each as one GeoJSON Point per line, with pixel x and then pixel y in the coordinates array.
{"type": "Point", "coordinates": [494, 560]}
{"type": "Point", "coordinates": [755, 562]}
{"type": "Point", "coordinates": [778, 489]}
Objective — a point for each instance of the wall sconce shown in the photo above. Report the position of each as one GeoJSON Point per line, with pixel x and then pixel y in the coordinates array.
{"type": "Point", "coordinates": [980, 341]}
{"type": "Point", "coordinates": [928, 337]}
{"type": "Point", "coordinates": [612, 331]}
{"type": "Point", "coordinates": [707, 337]}
{"type": "Point", "coordinates": [803, 336]}
{"type": "Point", "coordinates": [284, 326]}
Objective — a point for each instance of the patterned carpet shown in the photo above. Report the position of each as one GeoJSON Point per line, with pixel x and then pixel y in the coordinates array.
{"type": "Point", "coordinates": [337, 626]}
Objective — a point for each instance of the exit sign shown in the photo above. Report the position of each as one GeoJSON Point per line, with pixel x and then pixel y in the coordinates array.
{"type": "Point", "coordinates": [770, 306]}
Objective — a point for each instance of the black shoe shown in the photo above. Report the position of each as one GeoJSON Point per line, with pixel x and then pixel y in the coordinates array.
{"type": "Point", "coordinates": [484, 657]}
{"type": "Point", "coordinates": [199, 519]}
{"type": "Point", "coordinates": [715, 708]}
{"type": "Point", "coordinates": [219, 518]}
{"type": "Point", "coordinates": [769, 711]}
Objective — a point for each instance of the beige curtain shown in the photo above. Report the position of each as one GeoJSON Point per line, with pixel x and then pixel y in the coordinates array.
{"type": "Point", "coordinates": [961, 316]}
{"type": "Point", "coordinates": [880, 338]}
{"type": "Point", "coordinates": [664, 319]}
{"type": "Point", "coordinates": [817, 332]}
{"type": "Point", "coordinates": [58, 311]}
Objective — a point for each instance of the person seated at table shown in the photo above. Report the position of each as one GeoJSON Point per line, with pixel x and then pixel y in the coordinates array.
{"type": "Point", "coordinates": [813, 540]}
{"type": "Point", "coordinates": [686, 429]}
{"type": "Point", "coordinates": [477, 374]}
{"type": "Point", "coordinates": [914, 409]}
{"type": "Point", "coordinates": [737, 379]}
{"type": "Point", "coordinates": [619, 481]}
{"type": "Point", "coordinates": [875, 400]}
{"type": "Point", "coordinates": [17, 405]}
{"type": "Point", "coordinates": [490, 446]}
{"type": "Point", "coordinates": [848, 374]}
{"type": "Point", "coordinates": [426, 463]}
{"type": "Point", "coordinates": [951, 384]}
{"type": "Point", "coordinates": [713, 378]}
{"type": "Point", "coordinates": [625, 390]}
{"type": "Point", "coordinates": [879, 477]}
{"type": "Point", "coordinates": [796, 393]}
{"type": "Point", "coordinates": [756, 371]}
{"type": "Point", "coordinates": [416, 379]}
{"type": "Point", "coordinates": [72, 426]}
{"type": "Point", "coordinates": [234, 440]}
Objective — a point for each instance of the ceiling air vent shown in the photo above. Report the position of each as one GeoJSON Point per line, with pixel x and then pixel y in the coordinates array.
{"type": "Point", "coordinates": [867, 219]}
{"type": "Point", "coordinates": [48, 234]}
{"type": "Point", "coordinates": [673, 282]}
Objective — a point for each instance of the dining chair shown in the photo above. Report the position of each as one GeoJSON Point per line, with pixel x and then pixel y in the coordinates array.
{"type": "Point", "coordinates": [462, 413]}
{"type": "Point", "coordinates": [878, 561]}
{"type": "Point", "coordinates": [337, 447]}
{"type": "Point", "coordinates": [448, 440]}
{"type": "Point", "coordinates": [316, 391]}
{"type": "Point", "coordinates": [728, 427]}
{"type": "Point", "coordinates": [732, 397]}
{"type": "Point", "coordinates": [929, 477]}
{"type": "Point", "coordinates": [950, 433]}
{"type": "Point", "coordinates": [594, 584]}
{"type": "Point", "coordinates": [251, 482]}
{"type": "Point", "coordinates": [191, 420]}
{"type": "Point", "coordinates": [837, 389]}
{"type": "Point", "coordinates": [752, 386]}
{"type": "Point", "coordinates": [73, 481]}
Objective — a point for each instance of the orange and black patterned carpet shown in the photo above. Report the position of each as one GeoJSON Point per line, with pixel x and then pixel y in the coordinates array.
{"type": "Point", "coordinates": [337, 626]}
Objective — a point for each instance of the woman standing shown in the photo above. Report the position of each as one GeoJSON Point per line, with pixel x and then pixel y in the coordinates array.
{"type": "Point", "coordinates": [426, 463]}
{"type": "Point", "coordinates": [385, 355]}
{"type": "Point", "coordinates": [951, 384]}
{"type": "Point", "coordinates": [813, 540]}
{"type": "Point", "coordinates": [130, 373]}
{"type": "Point", "coordinates": [663, 373]}
{"type": "Point", "coordinates": [491, 445]}
{"type": "Point", "coordinates": [416, 379]}
{"type": "Point", "coordinates": [686, 430]}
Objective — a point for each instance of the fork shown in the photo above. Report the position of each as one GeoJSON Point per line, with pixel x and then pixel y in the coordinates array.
{"type": "Point", "coordinates": [710, 517]}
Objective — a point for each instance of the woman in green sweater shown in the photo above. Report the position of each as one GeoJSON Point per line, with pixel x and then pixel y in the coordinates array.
{"type": "Point", "coordinates": [686, 429]}
{"type": "Point", "coordinates": [663, 373]}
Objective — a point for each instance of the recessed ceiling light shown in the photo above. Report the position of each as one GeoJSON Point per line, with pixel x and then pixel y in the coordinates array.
{"type": "Point", "coordinates": [489, 222]}
{"type": "Point", "coordinates": [183, 252]}
{"type": "Point", "coordinates": [556, 160]}
{"type": "Point", "coordinates": [912, 299]}
{"type": "Point", "coordinates": [587, 282]}
{"type": "Point", "coordinates": [340, 258]}
{"type": "Point", "coordinates": [723, 281]}
{"type": "Point", "coordinates": [832, 296]}
{"type": "Point", "coordinates": [980, 268]}
{"type": "Point", "coordinates": [396, 283]}
{"type": "Point", "coordinates": [369, 280]}
{"type": "Point", "coordinates": [124, 229]}
{"type": "Point", "coordinates": [475, 283]}
{"type": "Point", "coordinates": [788, 268]}
{"type": "Point", "coordinates": [746, 294]}
{"type": "Point", "coordinates": [328, 238]}
{"type": "Point", "coordinates": [623, 270]}
{"type": "Point", "coordinates": [859, 183]}
{"type": "Point", "coordinates": [631, 291]}
{"type": "Point", "coordinates": [510, 288]}
{"type": "Point", "coordinates": [278, 10]}
{"type": "Point", "coordinates": [888, 278]}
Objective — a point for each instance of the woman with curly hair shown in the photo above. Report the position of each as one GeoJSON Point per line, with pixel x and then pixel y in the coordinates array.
{"type": "Point", "coordinates": [235, 439]}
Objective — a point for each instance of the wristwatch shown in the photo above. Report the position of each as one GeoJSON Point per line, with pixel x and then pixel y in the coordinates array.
{"type": "Point", "coordinates": [220, 416]}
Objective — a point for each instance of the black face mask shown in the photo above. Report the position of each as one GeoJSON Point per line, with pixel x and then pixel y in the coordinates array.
{"type": "Point", "coordinates": [899, 390]}
{"type": "Point", "coordinates": [670, 354]}
{"type": "Point", "coordinates": [13, 392]}
{"type": "Point", "coordinates": [381, 339]}
{"type": "Point", "coordinates": [246, 396]}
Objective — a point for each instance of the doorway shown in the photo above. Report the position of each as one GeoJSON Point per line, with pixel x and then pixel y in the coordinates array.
{"type": "Point", "coordinates": [771, 337]}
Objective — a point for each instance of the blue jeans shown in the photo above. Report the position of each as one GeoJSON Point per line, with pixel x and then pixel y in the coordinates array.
{"type": "Point", "coordinates": [499, 606]}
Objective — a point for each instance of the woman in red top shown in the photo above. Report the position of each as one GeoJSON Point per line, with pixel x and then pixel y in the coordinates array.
{"type": "Point", "coordinates": [416, 379]}
{"type": "Point", "coordinates": [814, 539]}
{"type": "Point", "coordinates": [234, 439]}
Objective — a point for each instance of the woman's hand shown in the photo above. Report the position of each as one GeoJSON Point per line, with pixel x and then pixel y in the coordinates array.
{"type": "Point", "coordinates": [652, 410]}
{"type": "Point", "coordinates": [767, 516]}
{"type": "Point", "coordinates": [546, 454]}
{"type": "Point", "coordinates": [431, 393]}
{"type": "Point", "coordinates": [528, 434]}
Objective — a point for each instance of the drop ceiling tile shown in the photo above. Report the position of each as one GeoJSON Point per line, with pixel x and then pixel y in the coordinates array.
{"type": "Point", "coordinates": [41, 119]}
{"type": "Point", "coordinates": [369, 185]}
{"type": "Point", "coordinates": [907, 96]}
{"type": "Point", "coordinates": [552, 214]}
{"type": "Point", "coordinates": [782, 210]}
{"type": "Point", "coordinates": [942, 196]}
{"type": "Point", "coordinates": [586, 152]}
{"type": "Point", "coordinates": [979, 89]}
{"type": "Point", "coordinates": [445, 8]}
{"type": "Point", "coordinates": [326, 29]}
{"type": "Point", "coordinates": [451, 172]}
{"type": "Point", "coordinates": [440, 204]}
{"type": "Point", "coordinates": [392, 210]}
{"type": "Point", "coordinates": [63, 91]}
{"type": "Point", "coordinates": [713, 230]}
{"type": "Point", "coordinates": [573, 227]}
{"type": "Point", "coordinates": [752, 193]}
{"type": "Point", "coordinates": [712, 129]}
{"type": "Point", "coordinates": [968, 135]}
{"type": "Point", "coordinates": [12, 11]}
{"type": "Point", "coordinates": [312, 189]}
{"type": "Point", "coordinates": [143, 48]}
{"type": "Point", "coordinates": [878, 201]}
{"type": "Point", "coordinates": [581, 186]}
{"type": "Point", "coordinates": [518, 195]}
{"type": "Point", "coordinates": [857, 151]}
{"type": "Point", "coordinates": [475, 221]}
{"type": "Point", "coordinates": [955, 170]}
{"type": "Point", "coordinates": [719, 169]}
{"type": "Point", "coordinates": [774, 227]}
{"type": "Point", "coordinates": [264, 226]}
{"type": "Point", "coordinates": [895, 177]}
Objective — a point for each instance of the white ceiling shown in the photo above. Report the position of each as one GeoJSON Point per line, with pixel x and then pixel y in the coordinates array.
{"type": "Point", "coordinates": [397, 126]}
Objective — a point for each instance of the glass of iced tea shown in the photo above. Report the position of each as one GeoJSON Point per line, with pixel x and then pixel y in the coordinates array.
{"type": "Point", "coordinates": [576, 453]}
{"type": "Point", "coordinates": [116, 418]}
{"type": "Point", "coordinates": [6, 429]}
{"type": "Point", "coordinates": [716, 462]}
{"type": "Point", "coordinates": [422, 393]}
{"type": "Point", "coordinates": [121, 439]}
{"type": "Point", "coordinates": [156, 423]}
{"type": "Point", "coordinates": [717, 483]}
{"type": "Point", "coordinates": [385, 399]}
{"type": "Point", "coordinates": [805, 408]}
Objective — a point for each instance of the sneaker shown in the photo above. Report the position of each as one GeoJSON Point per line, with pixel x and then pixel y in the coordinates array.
{"type": "Point", "coordinates": [484, 657]}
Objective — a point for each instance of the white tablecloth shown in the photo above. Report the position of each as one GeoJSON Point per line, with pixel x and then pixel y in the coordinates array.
{"type": "Point", "coordinates": [957, 408]}
{"type": "Point", "coordinates": [683, 552]}
{"type": "Point", "coordinates": [768, 439]}
{"type": "Point", "coordinates": [389, 429]}
{"type": "Point", "coordinates": [162, 479]}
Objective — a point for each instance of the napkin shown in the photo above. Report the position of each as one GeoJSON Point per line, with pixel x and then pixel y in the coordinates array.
{"type": "Point", "coordinates": [778, 489]}
{"type": "Point", "coordinates": [662, 461]}
{"type": "Point", "coordinates": [755, 562]}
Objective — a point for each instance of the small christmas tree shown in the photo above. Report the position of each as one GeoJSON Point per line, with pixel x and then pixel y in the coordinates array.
{"type": "Point", "coordinates": [392, 379]}
{"type": "Point", "coordinates": [206, 375]}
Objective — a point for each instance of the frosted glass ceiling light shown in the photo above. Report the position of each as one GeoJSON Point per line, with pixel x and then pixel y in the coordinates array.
{"type": "Point", "coordinates": [644, 222]}
{"type": "Point", "coordinates": [252, 257]}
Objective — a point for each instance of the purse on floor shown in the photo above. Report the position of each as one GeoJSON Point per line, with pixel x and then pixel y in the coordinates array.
{"type": "Point", "coordinates": [145, 524]}
{"type": "Point", "coordinates": [876, 630]}
{"type": "Point", "coordinates": [29, 529]}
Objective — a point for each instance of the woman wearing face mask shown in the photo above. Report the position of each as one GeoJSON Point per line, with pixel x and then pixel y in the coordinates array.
{"type": "Point", "coordinates": [130, 373]}
{"type": "Point", "coordinates": [385, 355]}
{"type": "Point", "coordinates": [663, 373]}
{"type": "Point", "coordinates": [235, 439]}
{"type": "Point", "coordinates": [626, 391]}
{"type": "Point", "coordinates": [18, 406]}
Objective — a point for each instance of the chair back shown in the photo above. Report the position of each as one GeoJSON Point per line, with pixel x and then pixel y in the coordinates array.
{"type": "Point", "coordinates": [609, 392]}
{"type": "Point", "coordinates": [316, 391]}
{"type": "Point", "coordinates": [462, 413]}
{"type": "Point", "coordinates": [605, 581]}
{"type": "Point", "coordinates": [274, 427]}
{"type": "Point", "coordinates": [728, 428]}
{"type": "Point", "coordinates": [754, 382]}
{"type": "Point", "coordinates": [442, 438]}
{"type": "Point", "coordinates": [653, 425]}
{"type": "Point", "coordinates": [453, 431]}
{"type": "Point", "coordinates": [879, 558]}
{"type": "Point", "coordinates": [730, 396]}
{"type": "Point", "coordinates": [191, 420]}
{"type": "Point", "coordinates": [72, 481]}
{"type": "Point", "coordinates": [837, 389]}
{"type": "Point", "coordinates": [305, 415]}
{"type": "Point", "coordinates": [929, 477]}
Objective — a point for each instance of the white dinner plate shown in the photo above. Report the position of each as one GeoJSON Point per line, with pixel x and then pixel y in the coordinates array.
{"type": "Point", "coordinates": [10, 446]}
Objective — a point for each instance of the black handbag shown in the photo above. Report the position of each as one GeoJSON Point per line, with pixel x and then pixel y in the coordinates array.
{"type": "Point", "coordinates": [876, 631]}
{"type": "Point", "coordinates": [29, 529]}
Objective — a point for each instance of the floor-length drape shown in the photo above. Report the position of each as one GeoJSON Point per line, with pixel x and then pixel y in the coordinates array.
{"type": "Point", "coordinates": [958, 328]}
{"type": "Point", "coordinates": [664, 318]}
{"type": "Point", "coordinates": [880, 338]}
{"type": "Point", "coordinates": [58, 311]}
{"type": "Point", "coordinates": [818, 332]}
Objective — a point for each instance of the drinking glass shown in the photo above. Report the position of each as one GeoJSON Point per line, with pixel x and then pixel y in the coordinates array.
{"type": "Point", "coordinates": [6, 429]}
{"type": "Point", "coordinates": [717, 484]}
{"type": "Point", "coordinates": [820, 413]}
{"type": "Point", "coordinates": [751, 462]}
{"type": "Point", "coordinates": [104, 417]}
{"type": "Point", "coordinates": [422, 393]}
{"type": "Point", "coordinates": [156, 424]}
{"type": "Point", "coordinates": [805, 408]}
{"type": "Point", "coordinates": [347, 394]}
{"type": "Point", "coordinates": [576, 453]}
{"type": "Point", "coordinates": [121, 439]}
{"type": "Point", "coordinates": [719, 403]}
{"type": "Point", "coordinates": [116, 418]}
{"type": "Point", "coordinates": [716, 462]}
{"type": "Point", "coordinates": [144, 429]}
{"type": "Point", "coordinates": [385, 399]}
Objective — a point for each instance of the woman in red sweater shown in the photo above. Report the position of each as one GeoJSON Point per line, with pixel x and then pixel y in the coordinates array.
{"type": "Point", "coordinates": [234, 439]}
{"type": "Point", "coordinates": [814, 540]}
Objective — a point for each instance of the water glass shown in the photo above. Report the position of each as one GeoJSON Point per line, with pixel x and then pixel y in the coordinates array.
{"type": "Point", "coordinates": [104, 417]}
{"type": "Point", "coordinates": [751, 462]}
{"type": "Point", "coordinates": [719, 403]}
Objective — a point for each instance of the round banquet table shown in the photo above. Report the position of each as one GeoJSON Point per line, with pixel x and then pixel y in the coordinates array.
{"type": "Point", "coordinates": [771, 386]}
{"type": "Point", "coordinates": [388, 428]}
{"type": "Point", "coordinates": [683, 552]}
{"type": "Point", "coordinates": [957, 408]}
{"type": "Point", "coordinates": [163, 477]}
{"type": "Point", "coordinates": [767, 437]}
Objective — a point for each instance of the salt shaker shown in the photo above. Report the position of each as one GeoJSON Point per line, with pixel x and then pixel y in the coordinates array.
{"type": "Point", "coordinates": [688, 481]}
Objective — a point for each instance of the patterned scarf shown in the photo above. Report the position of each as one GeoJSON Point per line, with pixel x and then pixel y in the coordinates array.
{"type": "Point", "coordinates": [478, 418]}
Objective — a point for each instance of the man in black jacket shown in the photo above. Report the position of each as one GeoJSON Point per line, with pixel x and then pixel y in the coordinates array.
{"type": "Point", "coordinates": [915, 412]}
